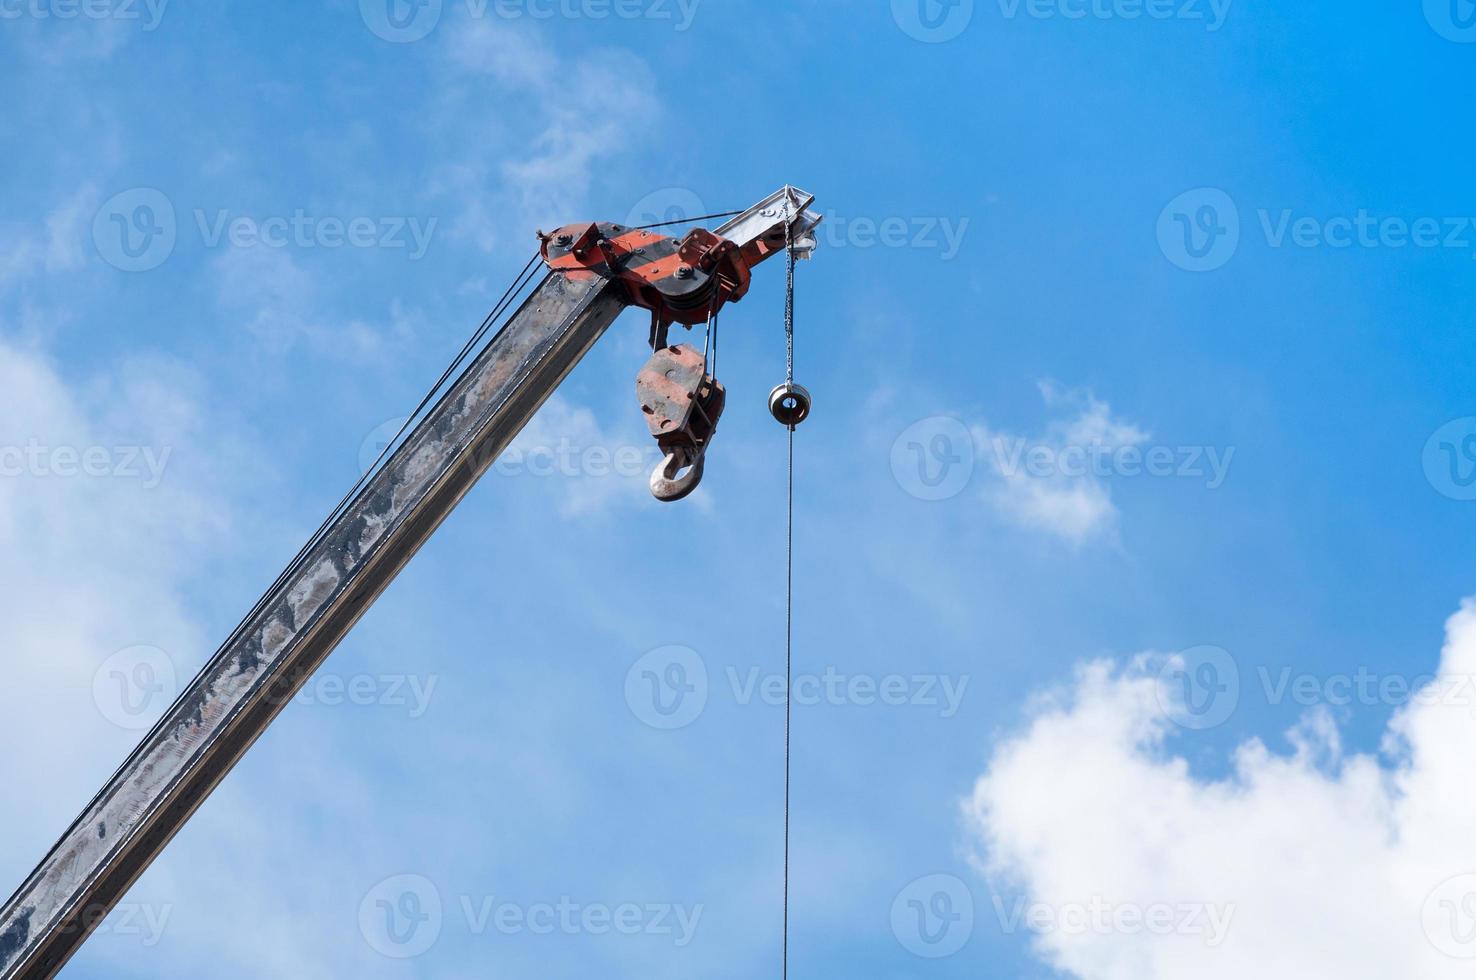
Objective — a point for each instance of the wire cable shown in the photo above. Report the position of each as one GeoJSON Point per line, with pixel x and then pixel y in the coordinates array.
{"type": "Point", "coordinates": [501, 306]}
{"type": "Point", "coordinates": [297, 561]}
{"type": "Point", "coordinates": [788, 680]}
{"type": "Point", "coordinates": [788, 582]}
{"type": "Point", "coordinates": [688, 221]}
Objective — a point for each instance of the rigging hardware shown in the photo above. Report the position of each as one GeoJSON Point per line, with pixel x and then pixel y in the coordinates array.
{"type": "Point", "coordinates": [687, 281]}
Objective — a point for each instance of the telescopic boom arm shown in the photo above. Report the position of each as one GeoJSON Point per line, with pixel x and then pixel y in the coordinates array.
{"type": "Point", "coordinates": [595, 271]}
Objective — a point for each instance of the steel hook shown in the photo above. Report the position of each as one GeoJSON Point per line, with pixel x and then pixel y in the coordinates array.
{"type": "Point", "coordinates": [666, 485]}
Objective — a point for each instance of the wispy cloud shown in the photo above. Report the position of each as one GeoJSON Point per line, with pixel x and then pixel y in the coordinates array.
{"type": "Point", "coordinates": [1067, 502]}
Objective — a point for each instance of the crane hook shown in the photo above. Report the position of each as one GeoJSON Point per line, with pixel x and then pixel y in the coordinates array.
{"type": "Point", "coordinates": [666, 485]}
{"type": "Point", "coordinates": [682, 404]}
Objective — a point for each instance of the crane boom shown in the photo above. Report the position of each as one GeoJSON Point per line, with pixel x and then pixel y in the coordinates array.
{"type": "Point", "coordinates": [268, 658]}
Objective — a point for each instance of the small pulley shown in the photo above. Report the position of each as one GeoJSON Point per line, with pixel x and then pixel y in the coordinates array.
{"type": "Point", "coordinates": [682, 404]}
{"type": "Point", "coordinates": [789, 403]}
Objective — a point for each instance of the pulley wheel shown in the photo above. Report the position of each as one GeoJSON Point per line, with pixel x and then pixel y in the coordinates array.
{"type": "Point", "coordinates": [789, 404]}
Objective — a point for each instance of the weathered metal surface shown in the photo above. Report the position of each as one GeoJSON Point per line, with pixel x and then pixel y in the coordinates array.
{"type": "Point", "coordinates": [668, 389]}
{"type": "Point", "coordinates": [687, 280]}
{"type": "Point", "coordinates": [682, 404]}
{"type": "Point", "coordinates": [253, 676]}
{"type": "Point", "coordinates": [759, 231]}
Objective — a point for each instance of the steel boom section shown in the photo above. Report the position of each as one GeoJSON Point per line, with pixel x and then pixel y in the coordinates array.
{"type": "Point", "coordinates": [253, 676]}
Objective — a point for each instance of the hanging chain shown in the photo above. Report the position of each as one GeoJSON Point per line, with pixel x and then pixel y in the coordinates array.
{"type": "Point", "coordinates": [788, 303]}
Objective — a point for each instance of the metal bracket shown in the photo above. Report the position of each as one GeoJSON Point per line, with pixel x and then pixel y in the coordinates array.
{"type": "Point", "coordinates": [690, 279]}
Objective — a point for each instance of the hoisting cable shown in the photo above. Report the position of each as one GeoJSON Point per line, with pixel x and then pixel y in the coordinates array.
{"type": "Point", "coordinates": [519, 284]}
{"type": "Point", "coordinates": [503, 302]}
{"type": "Point", "coordinates": [684, 221]}
{"type": "Point", "coordinates": [788, 574]}
{"type": "Point", "coordinates": [790, 404]}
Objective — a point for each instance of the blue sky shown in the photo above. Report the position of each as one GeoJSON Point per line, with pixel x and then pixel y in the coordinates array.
{"type": "Point", "coordinates": [1129, 520]}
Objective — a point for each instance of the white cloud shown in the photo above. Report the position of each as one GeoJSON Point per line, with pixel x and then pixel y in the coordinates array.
{"type": "Point", "coordinates": [95, 564]}
{"type": "Point", "coordinates": [559, 122]}
{"type": "Point", "coordinates": [103, 518]}
{"type": "Point", "coordinates": [276, 302]}
{"type": "Point", "coordinates": [1326, 864]}
{"type": "Point", "coordinates": [591, 469]}
{"type": "Point", "coordinates": [1047, 483]}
